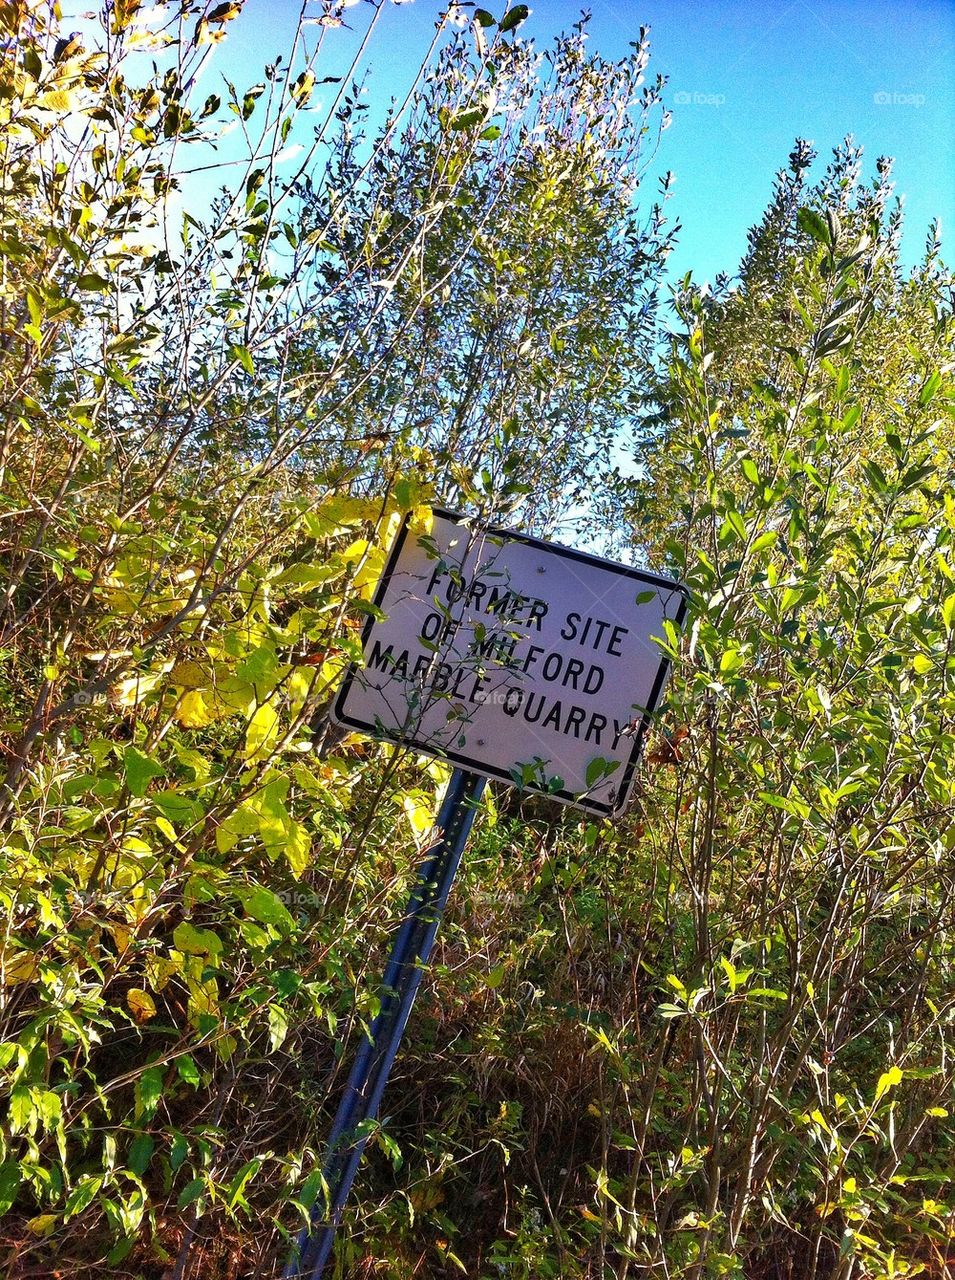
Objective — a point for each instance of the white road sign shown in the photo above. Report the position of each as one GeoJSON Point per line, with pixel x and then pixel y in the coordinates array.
{"type": "Point", "coordinates": [515, 658]}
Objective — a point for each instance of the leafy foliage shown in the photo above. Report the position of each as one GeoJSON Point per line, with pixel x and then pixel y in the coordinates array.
{"type": "Point", "coordinates": [712, 1039]}
{"type": "Point", "coordinates": [213, 421]}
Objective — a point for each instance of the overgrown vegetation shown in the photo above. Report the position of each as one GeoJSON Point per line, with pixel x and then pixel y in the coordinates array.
{"type": "Point", "coordinates": [714, 1038]}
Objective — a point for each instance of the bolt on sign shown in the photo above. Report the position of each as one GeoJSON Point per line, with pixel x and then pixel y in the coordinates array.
{"type": "Point", "coordinates": [514, 658]}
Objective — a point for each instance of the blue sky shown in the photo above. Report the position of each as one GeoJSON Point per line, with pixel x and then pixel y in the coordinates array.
{"type": "Point", "coordinates": [745, 78]}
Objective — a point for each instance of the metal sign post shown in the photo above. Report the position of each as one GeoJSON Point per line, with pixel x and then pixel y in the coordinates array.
{"type": "Point", "coordinates": [410, 950]}
{"type": "Point", "coordinates": [514, 659]}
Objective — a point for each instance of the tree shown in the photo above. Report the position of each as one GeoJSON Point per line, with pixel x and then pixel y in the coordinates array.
{"type": "Point", "coordinates": [800, 484]}
{"type": "Point", "coordinates": [213, 422]}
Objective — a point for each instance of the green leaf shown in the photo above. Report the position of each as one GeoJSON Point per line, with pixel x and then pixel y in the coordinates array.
{"type": "Point", "coordinates": [82, 1195]}
{"type": "Point", "coordinates": [468, 118]}
{"type": "Point", "coordinates": [140, 771]}
{"type": "Point", "coordinates": [178, 808]}
{"type": "Point", "coordinates": [731, 661]}
{"type": "Point", "coordinates": [599, 768]}
{"type": "Point", "coordinates": [188, 1071]}
{"type": "Point", "coordinates": [278, 1025]}
{"type": "Point", "coordinates": [929, 387]}
{"type": "Point", "coordinates": [813, 224]}
{"type": "Point", "coordinates": [22, 1110]}
{"type": "Point", "coordinates": [514, 17]}
{"type": "Point", "coordinates": [948, 612]}
{"type": "Point", "coordinates": [140, 1153]}
{"type": "Point", "coordinates": [93, 282]}
{"type": "Point", "coordinates": [191, 1192]}
{"type": "Point", "coordinates": [789, 804]}
{"type": "Point", "coordinates": [35, 306]}
{"type": "Point", "coordinates": [241, 1181]}
{"type": "Point", "coordinates": [671, 1011]}
{"type": "Point", "coordinates": [259, 668]}
{"type": "Point", "coordinates": [178, 1151]}
{"type": "Point", "coordinates": [850, 417]}
{"type": "Point", "coordinates": [390, 1148]}
{"type": "Point", "coordinates": [767, 539]}
{"type": "Point", "coordinates": [196, 942]}
{"type": "Point", "coordinates": [9, 1183]}
{"type": "Point", "coordinates": [244, 357]}
{"type": "Point", "coordinates": [730, 970]}
{"type": "Point", "coordinates": [149, 1091]}
{"type": "Point", "coordinates": [264, 906]}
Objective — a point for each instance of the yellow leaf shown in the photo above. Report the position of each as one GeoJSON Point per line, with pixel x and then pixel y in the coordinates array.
{"type": "Point", "coordinates": [820, 1120]}
{"type": "Point", "coordinates": [226, 1047]}
{"type": "Point", "coordinates": [203, 993]}
{"type": "Point", "coordinates": [262, 731]}
{"type": "Point", "coordinates": [141, 1004]}
{"type": "Point", "coordinates": [302, 88]}
{"type": "Point", "coordinates": [128, 692]}
{"type": "Point", "coordinates": [190, 675]}
{"type": "Point", "coordinates": [417, 809]}
{"type": "Point", "coordinates": [298, 845]}
{"type": "Point", "coordinates": [336, 515]}
{"type": "Point", "coordinates": [887, 1080]}
{"type": "Point", "coordinates": [241, 822]}
{"type": "Point", "coordinates": [194, 712]}
{"type": "Point", "coordinates": [948, 612]}
{"type": "Point", "coordinates": [166, 827]}
{"type": "Point", "coordinates": [122, 13]}
{"type": "Point", "coordinates": [226, 12]}
{"type": "Point", "coordinates": [233, 694]}
{"type": "Point", "coordinates": [159, 970]}
{"type": "Point", "coordinates": [389, 530]}
{"type": "Point", "coordinates": [43, 1224]}
{"type": "Point", "coordinates": [422, 521]}
{"type": "Point", "coordinates": [300, 686]}
{"type": "Point", "coordinates": [120, 935]}
{"type": "Point", "coordinates": [58, 100]}
{"type": "Point", "coordinates": [436, 769]}
{"type": "Point", "coordinates": [17, 967]}
{"type": "Point", "coordinates": [368, 560]}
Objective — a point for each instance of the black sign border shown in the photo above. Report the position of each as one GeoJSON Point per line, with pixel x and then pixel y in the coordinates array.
{"type": "Point", "coordinates": [570, 553]}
